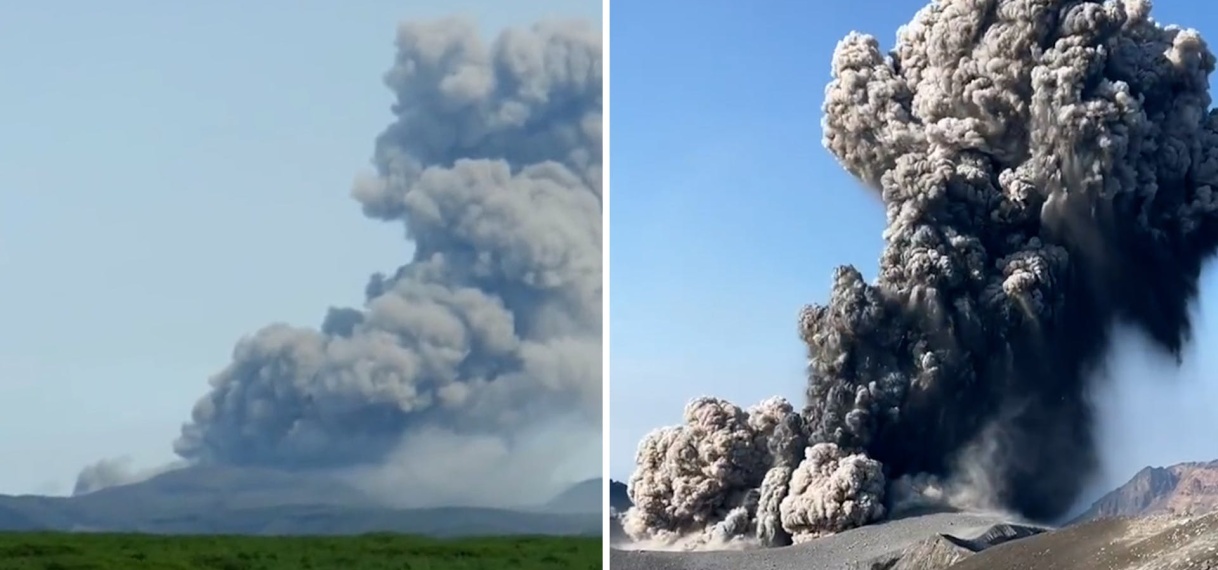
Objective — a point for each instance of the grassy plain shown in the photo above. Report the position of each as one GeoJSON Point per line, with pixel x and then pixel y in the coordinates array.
{"type": "Point", "coordinates": [81, 551]}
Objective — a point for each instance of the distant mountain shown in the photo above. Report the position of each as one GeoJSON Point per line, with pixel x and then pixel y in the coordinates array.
{"type": "Point", "coordinates": [619, 502]}
{"type": "Point", "coordinates": [583, 497]}
{"type": "Point", "coordinates": [619, 496]}
{"type": "Point", "coordinates": [208, 500]}
{"type": "Point", "coordinates": [244, 487]}
{"type": "Point", "coordinates": [1182, 489]}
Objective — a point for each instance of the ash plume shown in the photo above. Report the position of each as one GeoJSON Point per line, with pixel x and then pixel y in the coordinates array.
{"type": "Point", "coordinates": [1047, 169]}
{"type": "Point", "coordinates": [115, 472]}
{"type": "Point", "coordinates": [492, 165]}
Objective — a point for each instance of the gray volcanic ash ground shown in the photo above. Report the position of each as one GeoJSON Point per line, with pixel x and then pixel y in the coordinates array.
{"type": "Point", "coordinates": [1047, 168]}
{"type": "Point", "coordinates": [970, 542]}
{"type": "Point", "coordinates": [876, 543]}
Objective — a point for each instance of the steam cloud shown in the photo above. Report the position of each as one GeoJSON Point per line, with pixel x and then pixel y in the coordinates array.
{"type": "Point", "coordinates": [1047, 169]}
{"type": "Point", "coordinates": [493, 165]}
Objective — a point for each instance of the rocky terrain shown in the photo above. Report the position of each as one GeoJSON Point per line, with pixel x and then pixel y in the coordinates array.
{"type": "Point", "coordinates": [1182, 489]}
{"type": "Point", "coordinates": [1161, 542]}
{"type": "Point", "coordinates": [209, 500]}
{"type": "Point", "coordinates": [1163, 518]}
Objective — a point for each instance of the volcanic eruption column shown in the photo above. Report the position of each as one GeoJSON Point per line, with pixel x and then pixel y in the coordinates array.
{"type": "Point", "coordinates": [494, 167]}
{"type": "Point", "coordinates": [1047, 170]}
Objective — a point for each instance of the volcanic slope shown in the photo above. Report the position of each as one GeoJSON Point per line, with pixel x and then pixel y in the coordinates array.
{"type": "Point", "coordinates": [883, 544]}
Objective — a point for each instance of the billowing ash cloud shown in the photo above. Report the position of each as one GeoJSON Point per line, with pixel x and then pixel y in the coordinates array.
{"type": "Point", "coordinates": [1047, 169]}
{"type": "Point", "coordinates": [493, 167]}
{"type": "Point", "coordinates": [114, 472]}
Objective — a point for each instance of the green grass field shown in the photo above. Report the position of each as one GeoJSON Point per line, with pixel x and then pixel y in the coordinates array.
{"type": "Point", "coordinates": [62, 551]}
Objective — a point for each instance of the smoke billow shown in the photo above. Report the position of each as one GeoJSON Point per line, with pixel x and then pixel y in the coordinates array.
{"type": "Point", "coordinates": [1047, 169]}
{"type": "Point", "coordinates": [493, 326]}
{"type": "Point", "coordinates": [114, 472]}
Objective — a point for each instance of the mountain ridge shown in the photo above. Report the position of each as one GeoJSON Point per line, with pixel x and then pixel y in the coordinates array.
{"type": "Point", "coordinates": [214, 500]}
{"type": "Point", "coordinates": [1181, 489]}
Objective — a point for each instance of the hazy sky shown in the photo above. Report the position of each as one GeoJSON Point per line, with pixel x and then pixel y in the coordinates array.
{"type": "Point", "coordinates": [174, 176]}
{"type": "Point", "coordinates": [728, 215]}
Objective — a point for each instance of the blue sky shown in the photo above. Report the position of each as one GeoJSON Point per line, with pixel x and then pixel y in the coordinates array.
{"type": "Point", "coordinates": [174, 176]}
{"type": "Point", "coordinates": [728, 215]}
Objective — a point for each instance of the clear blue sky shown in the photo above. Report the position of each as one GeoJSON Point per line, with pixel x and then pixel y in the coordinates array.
{"type": "Point", "coordinates": [175, 175]}
{"type": "Point", "coordinates": [728, 215]}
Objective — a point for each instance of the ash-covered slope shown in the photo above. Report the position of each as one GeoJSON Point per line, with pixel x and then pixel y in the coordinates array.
{"type": "Point", "coordinates": [1147, 543]}
{"type": "Point", "coordinates": [1181, 489]}
{"type": "Point", "coordinates": [943, 550]}
{"type": "Point", "coordinates": [962, 542]}
{"type": "Point", "coordinates": [926, 542]}
{"type": "Point", "coordinates": [227, 500]}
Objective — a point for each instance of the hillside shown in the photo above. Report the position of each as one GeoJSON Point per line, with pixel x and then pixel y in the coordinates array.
{"type": "Point", "coordinates": [201, 500]}
{"type": "Point", "coordinates": [1181, 489]}
{"type": "Point", "coordinates": [1153, 542]}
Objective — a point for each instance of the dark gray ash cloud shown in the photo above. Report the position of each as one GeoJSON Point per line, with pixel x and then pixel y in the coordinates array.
{"type": "Point", "coordinates": [1048, 170]}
